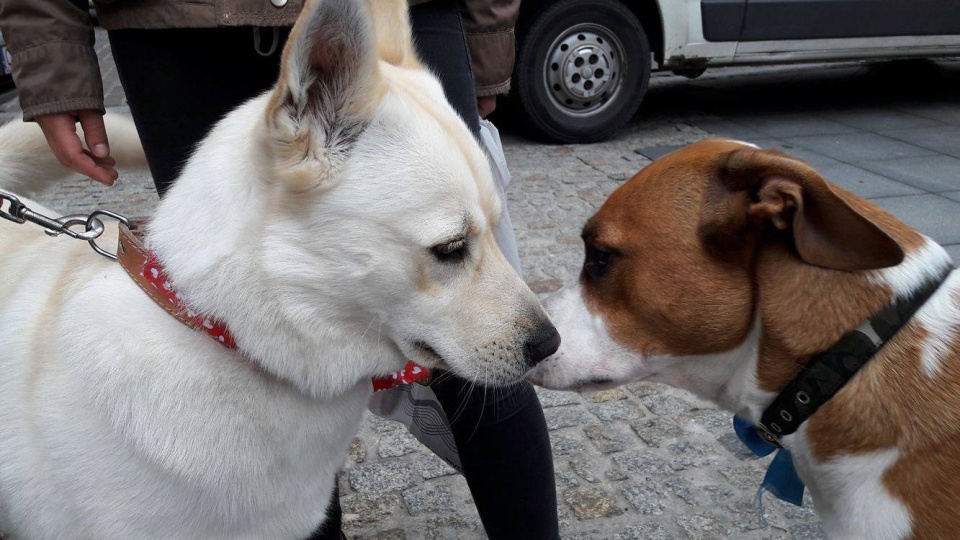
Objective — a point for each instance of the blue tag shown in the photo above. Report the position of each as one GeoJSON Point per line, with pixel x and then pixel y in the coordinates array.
{"type": "Point", "coordinates": [781, 479]}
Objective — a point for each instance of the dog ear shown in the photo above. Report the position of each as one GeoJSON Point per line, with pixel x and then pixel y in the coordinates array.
{"type": "Point", "coordinates": [328, 91]}
{"type": "Point", "coordinates": [393, 32]}
{"type": "Point", "coordinates": [758, 188]}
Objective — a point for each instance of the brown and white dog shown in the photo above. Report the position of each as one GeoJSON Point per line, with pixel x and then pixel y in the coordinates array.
{"type": "Point", "coordinates": [722, 269]}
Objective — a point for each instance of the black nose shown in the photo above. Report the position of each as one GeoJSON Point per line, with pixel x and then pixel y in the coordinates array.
{"type": "Point", "coordinates": [542, 344]}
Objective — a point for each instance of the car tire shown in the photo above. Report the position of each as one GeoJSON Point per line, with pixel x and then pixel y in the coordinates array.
{"type": "Point", "coordinates": [582, 69]}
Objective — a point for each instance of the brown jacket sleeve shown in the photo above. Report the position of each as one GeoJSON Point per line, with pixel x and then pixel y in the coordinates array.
{"type": "Point", "coordinates": [54, 63]}
{"type": "Point", "coordinates": [489, 27]}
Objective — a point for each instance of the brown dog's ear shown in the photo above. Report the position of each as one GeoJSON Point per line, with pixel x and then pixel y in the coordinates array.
{"type": "Point", "coordinates": [754, 188]}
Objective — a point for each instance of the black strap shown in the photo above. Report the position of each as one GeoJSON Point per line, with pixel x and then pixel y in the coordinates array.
{"type": "Point", "coordinates": [829, 371]}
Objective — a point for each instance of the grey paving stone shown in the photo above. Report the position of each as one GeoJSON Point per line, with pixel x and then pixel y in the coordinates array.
{"type": "Point", "coordinates": [729, 128]}
{"type": "Point", "coordinates": [591, 503]}
{"type": "Point", "coordinates": [737, 449]}
{"type": "Point", "coordinates": [381, 477]}
{"type": "Point", "coordinates": [746, 477]}
{"type": "Point", "coordinates": [381, 425]}
{"type": "Point", "coordinates": [795, 125]}
{"type": "Point", "coordinates": [705, 526]}
{"type": "Point", "coordinates": [646, 531]}
{"type": "Point", "coordinates": [864, 183]}
{"type": "Point", "coordinates": [365, 509]}
{"type": "Point", "coordinates": [686, 455]}
{"type": "Point", "coordinates": [432, 466]}
{"type": "Point", "coordinates": [561, 417]}
{"type": "Point", "coordinates": [397, 444]}
{"type": "Point", "coordinates": [565, 444]}
{"type": "Point", "coordinates": [856, 147]}
{"type": "Point", "coordinates": [450, 528]}
{"type": "Point", "coordinates": [806, 531]}
{"type": "Point", "coordinates": [945, 140]}
{"type": "Point", "coordinates": [712, 421]}
{"type": "Point", "coordinates": [681, 487]}
{"type": "Point", "coordinates": [666, 405]}
{"type": "Point", "coordinates": [357, 450]}
{"type": "Point", "coordinates": [879, 119]}
{"type": "Point", "coordinates": [930, 214]}
{"type": "Point", "coordinates": [391, 534]}
{"type": "Point", "coordinates": [940, 111]}
{"type": "Point", "coordinates": [952, 195]}
{"type": "Point", "coordinates": [646, 498]}
{"type": "Point", "coordinates": [554, 398]}
{"type": "Point", "coordinates": [954, 252]}
{"type": "Point", "coordinates": [929, 173]}
{"type": "Point", "coordinates": [643, 463]}
{"type": "Point", "coordinates": [609, 438]}
{"type": "Point", "coordinates": [605, 396]}
{"type": "Point", "coordinates": [657, 152]}
{"type": "Point", "coordinates": [585, 469]}
{"type": "Point", "coordinates": [656, 431]}
{"type": "Point", "coordinates": [617, 410]}
{"type": "Point", "coordinates": [430, 498]}
{"type": "Point", "coordinates": [643, 389]}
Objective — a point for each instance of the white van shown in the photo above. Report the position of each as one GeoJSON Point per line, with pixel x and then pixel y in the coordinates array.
{"type": "Point", "coordinates": [583, 65]}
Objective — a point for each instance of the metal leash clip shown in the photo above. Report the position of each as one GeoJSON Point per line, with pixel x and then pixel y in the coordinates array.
{"type": "Point", "coordinates": [12, 209]}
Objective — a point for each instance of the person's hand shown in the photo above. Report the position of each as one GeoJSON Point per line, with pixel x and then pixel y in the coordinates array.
{"type": "Point", "coordinates": [486, 105]}
{"type": "Point", "coordinates": [93, 161]}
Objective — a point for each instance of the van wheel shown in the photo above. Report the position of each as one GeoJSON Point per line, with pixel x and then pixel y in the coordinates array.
{"type": "Point", "coordinates": [582, 69]}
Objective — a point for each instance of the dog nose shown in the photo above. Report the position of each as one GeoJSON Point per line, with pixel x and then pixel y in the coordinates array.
{"type": "Point", "coordinates": [544, 342]}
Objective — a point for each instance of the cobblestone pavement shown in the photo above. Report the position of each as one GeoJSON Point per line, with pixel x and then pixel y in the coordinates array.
{"type": "Point", "coordinates": [644, 462]}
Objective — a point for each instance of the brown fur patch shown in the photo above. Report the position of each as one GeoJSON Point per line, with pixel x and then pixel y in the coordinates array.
{"type": "Point", "coordinates": [686, 274]}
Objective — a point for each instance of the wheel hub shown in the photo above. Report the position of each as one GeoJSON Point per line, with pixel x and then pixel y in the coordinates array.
{"type": "Point", "coordinates": [583, 69]}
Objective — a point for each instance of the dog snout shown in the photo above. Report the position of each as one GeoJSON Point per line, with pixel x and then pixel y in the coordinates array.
{"type": "Point", "coordinates": [544, 342]}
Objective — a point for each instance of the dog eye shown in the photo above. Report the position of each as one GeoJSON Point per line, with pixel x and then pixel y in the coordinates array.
{"type": "Point", "coordinates": [597, 262]}
{"type": "Point", "coordinates": [453, 251]}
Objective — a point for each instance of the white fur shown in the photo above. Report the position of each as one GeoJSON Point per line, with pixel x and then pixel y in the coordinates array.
{"type": "Point", "coordinates": [849, 494]}
{"type": "Point", "coordinates": [588, 354]}
{"type": "Point", "coordinates": [119, 422]}
{"type": "Point", "coordinates": [24, 155]}
{"type": "Point", "coordinates": [940, 315]}
{"type": "Point", "coordinates": [918, 267]}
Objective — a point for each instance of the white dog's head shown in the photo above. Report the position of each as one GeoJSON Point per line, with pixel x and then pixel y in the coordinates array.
{"type": "Point", "coordinates": [376, 210]}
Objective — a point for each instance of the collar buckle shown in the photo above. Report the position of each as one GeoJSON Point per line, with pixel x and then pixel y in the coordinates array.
{"type": "Point", "coordinates": [768, 435]}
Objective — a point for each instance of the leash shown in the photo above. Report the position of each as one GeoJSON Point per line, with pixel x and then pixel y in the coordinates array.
{"type": "Point", "coordinates": [93, 227]}
{"type": "Point", "coordinates": [144, 269]}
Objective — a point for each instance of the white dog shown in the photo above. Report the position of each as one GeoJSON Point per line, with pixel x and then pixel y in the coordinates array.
{"type": "Point", "coordinates": [339, 225]}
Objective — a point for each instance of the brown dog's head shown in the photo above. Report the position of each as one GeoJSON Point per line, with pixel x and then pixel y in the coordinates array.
{"type": "Point", "coordinates": [670, 277]}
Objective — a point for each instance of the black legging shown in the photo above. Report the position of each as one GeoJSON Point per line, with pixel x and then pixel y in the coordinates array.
{"type": "Point", "coordinates": [179, 83]}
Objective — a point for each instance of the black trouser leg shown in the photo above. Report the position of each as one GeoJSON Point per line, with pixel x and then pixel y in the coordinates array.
{"type": "Point", "coordinates": [180, 82]}
{"type": "Point", "coordinates": [505, 452]}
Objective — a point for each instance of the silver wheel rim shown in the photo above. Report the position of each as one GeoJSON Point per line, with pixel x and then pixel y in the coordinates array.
{"type": "Point", "coordinates": [584, 69]}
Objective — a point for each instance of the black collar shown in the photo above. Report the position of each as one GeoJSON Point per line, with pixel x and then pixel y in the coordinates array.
{"type": "Point", "coordinates": [828, 371]}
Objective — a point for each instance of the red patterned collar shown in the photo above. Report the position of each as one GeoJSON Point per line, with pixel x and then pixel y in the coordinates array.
{"type": "Point", "coordinates": [147, 272]}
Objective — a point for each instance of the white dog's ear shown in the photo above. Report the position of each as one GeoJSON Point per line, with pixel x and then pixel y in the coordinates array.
{"type": "Point", "coordinates": [328, 90]}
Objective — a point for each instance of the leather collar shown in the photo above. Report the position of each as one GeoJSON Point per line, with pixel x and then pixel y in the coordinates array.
{"type": "Point", "coordinates": [830, 370]}
{"type": "Point", "coordinates": [148, 274]}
